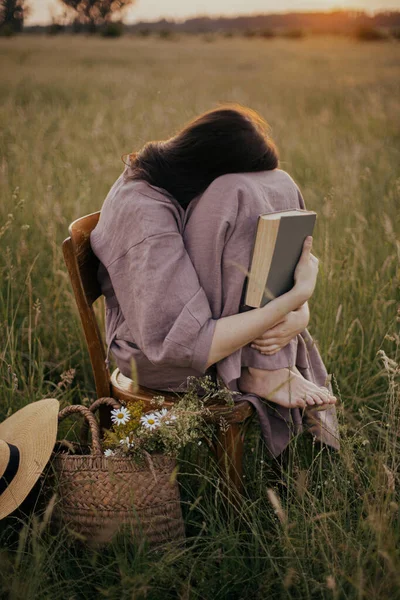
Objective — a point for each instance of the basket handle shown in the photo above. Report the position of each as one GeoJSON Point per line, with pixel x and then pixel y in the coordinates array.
{"type": "Point", "coordinates": [93, 407]}
{"type": "Point", "coordinates": [90, 419]}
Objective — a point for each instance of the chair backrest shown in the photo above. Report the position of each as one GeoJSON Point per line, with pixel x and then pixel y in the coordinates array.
{"type": "Point", "coordinates": [82, 265]}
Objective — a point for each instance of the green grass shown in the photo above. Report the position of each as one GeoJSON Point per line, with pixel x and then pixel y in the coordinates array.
{"type": "Point", "coordinates": [69, 108]}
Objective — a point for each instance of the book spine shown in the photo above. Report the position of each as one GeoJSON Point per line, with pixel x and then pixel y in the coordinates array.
{"type": "Point", "coordinates": [267, 232]}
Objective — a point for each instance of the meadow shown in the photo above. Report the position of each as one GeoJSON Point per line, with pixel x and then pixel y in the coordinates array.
{"type": "Point", "coordinates": [70, 107]}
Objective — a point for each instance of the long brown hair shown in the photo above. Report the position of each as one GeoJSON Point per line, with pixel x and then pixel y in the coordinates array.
{"type": "Point", "coordinates": [229, 139]}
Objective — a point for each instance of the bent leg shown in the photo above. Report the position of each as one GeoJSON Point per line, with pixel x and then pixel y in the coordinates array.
{"type": "Point", "coordinates": [219, 231]}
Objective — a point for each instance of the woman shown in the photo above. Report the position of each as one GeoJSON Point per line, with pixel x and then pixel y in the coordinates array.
{"type": "Point", "coordinates": [174, 242]}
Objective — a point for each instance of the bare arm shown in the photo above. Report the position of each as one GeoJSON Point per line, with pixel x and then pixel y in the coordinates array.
{"type": "Point", "coordinates": [235, 331]}
{"type": "Point", "coordinates": [277, 337]}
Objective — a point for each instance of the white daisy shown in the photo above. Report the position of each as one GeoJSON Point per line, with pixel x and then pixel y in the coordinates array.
{"type": "Point", "coordinates": [160, 414]}
{"type": "Point", "coordinates": [109, 452]}
{"type": "Point", "coordinates": [170, 419]}
{"type": "Point", "coordinates": [150, 421]}
{"type": "Point", "coordinates": [120, 416]}
{"type": "Point", "coordinates": [126, 442]}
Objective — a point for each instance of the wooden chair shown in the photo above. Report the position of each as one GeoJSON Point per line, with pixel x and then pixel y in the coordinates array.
{"type": "Point", "coordinates": [82, 265]}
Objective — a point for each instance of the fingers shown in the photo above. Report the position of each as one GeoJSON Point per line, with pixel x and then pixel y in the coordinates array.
{"type": "Point", "coordinates": [306, 253]}
{"type": "Point", "coordinates": [272, 332]}
{"type": "Point", "coordinates": [267, 349]}
{"type": "Point", "coordinates": [264, 344]}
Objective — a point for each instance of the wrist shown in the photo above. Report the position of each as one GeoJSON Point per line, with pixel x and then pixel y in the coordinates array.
{"type": "Point", "coordinates": [299, 295]}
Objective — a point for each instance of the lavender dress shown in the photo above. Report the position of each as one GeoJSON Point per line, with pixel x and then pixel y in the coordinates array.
{"type": "Point", "coordinates": [168, 275]}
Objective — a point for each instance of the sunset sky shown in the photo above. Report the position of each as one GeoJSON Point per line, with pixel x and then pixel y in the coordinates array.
{"type": "Point", "coordinates": [42, 10]}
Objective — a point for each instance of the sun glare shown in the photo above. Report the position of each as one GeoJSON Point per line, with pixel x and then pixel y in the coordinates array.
{"type": "Point", "coordinates": [43, 12]}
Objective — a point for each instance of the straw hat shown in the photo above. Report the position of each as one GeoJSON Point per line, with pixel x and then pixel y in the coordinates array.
{"type": "Point", "coordinates": [27, 439]}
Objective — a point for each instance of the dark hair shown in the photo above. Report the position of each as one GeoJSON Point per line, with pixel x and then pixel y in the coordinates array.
{"type": "Point", "coordinates": [228, 139]}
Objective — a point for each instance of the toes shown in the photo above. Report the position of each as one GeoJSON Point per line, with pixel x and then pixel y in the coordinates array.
{"type": "Point", "coordinates": [310, 399]}
{"type": "Point", "coordinates": [318, 399]}
{"type": "Point", "coordinates": [324, 395]}
{"type": "Point", "coordinates": [330, 398]}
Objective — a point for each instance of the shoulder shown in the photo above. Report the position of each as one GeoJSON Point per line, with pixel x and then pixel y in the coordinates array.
{"type": "Point", "coordinates": [131, 213]}
{"type": "Point", "coordinates": [285, 177]}
{"type": "Point", "coordinates": [135, 202]}
{"type": "Point", "coordinates": [282, 174]}
{"type": "Point", "coordinates": [288, 185]}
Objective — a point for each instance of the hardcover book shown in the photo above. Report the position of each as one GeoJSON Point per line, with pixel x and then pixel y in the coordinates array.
{"type": "Point", "coordinates": [277, 248]}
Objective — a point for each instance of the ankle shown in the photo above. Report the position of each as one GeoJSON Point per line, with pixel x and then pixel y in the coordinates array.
{"type": "Point", "coordinates": [263, 374]}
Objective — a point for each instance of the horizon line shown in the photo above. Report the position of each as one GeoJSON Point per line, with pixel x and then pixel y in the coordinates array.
{"type": "Point", "coordinates": [370, 12]}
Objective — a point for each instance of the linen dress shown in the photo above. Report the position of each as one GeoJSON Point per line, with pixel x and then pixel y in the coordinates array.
{"type": "Point", "coordinates": [168, 275]}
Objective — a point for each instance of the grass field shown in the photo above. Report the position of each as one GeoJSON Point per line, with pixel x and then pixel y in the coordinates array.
{"type": "Point", "coordinates": [69, 108]}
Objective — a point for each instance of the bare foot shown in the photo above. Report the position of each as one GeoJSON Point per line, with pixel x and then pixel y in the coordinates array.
{"type": "Point", "coordinates": [286, 387]}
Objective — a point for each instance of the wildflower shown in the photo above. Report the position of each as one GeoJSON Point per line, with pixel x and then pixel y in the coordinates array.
{"type": "Point", "coordinates": [120, 416]}
{"type": "Point", "coordinates": [276, 504]}
{"type": "Point", "coordinates": [330, 582]}
{"type": "Point", "coordinates": [66, 378]}
{"type": "Point", "coordinates": [161, 413]}
{"type": "Point", "coordinates": [150, 421]}
{"type": "Point", "coordinates": [109, 452]}
{"type": "Point", "coordinates": [170, 419]}
{"type": "Point", "coordinates": [126, 442]}
{"type": "Point", "coordinates": [158, 400]}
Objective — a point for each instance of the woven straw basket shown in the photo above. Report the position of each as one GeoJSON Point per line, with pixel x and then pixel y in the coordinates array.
{"type": "Point", "coordinates": [98, 494]}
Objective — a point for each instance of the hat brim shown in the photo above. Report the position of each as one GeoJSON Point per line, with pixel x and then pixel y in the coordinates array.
{"type": "Point", "coordinates": [33, 429]}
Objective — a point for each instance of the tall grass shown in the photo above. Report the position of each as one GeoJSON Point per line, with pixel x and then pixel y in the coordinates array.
{"type": "Point", "coordinates": [313, 524]}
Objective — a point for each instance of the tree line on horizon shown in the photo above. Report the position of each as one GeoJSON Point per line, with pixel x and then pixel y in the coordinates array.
{"type": "Point", "coordinates": [107, 17]}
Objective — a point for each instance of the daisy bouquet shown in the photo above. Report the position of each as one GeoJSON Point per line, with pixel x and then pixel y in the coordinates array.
{"type": "Point", "coordinates": [165, 430]}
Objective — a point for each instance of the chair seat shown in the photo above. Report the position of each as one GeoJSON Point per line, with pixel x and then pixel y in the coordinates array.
{"type": "Point", "coordinates": [122, 389]}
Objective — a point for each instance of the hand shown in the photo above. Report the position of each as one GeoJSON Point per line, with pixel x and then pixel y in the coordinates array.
{"type": "Point", "coordinates": [277, 337]}
{"type": "Point", "coordinates": [305, 275]}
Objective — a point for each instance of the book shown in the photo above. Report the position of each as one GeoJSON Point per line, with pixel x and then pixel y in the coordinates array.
{"type": "Point", "coordinates": [277, 248]}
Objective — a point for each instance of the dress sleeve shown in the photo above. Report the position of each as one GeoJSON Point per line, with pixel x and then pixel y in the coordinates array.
{"type": "Point", "coordinates": [165, 308]}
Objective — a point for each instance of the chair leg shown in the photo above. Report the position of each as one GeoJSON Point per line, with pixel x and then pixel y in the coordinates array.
{"type": "Point", "coordinates": [229, 449]}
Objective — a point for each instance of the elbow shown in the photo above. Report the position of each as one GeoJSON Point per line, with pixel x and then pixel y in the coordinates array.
{"type": "Point", "coordinates": [169, 354]}
{"type": "Point", "coordinates": [197, 355]}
